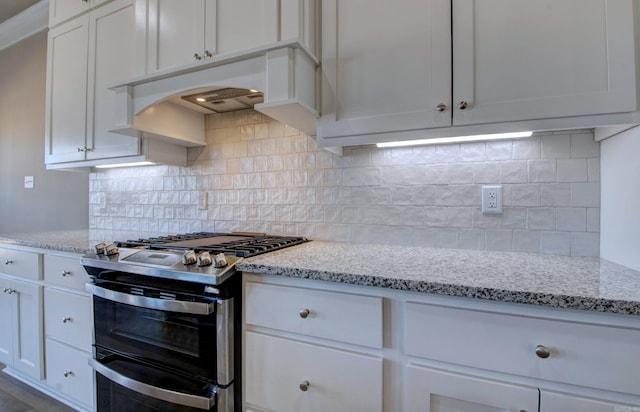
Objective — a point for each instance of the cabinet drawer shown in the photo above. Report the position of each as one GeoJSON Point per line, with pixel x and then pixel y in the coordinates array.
{"type": "Point", "coordinates": [581, 354]}
{"type": "Point", "coordinates": [68, 372]}
{"type": "Point", "coordinates": [68, 318]}
{"type": "Point", "coordinates": [27, 265]}
{"type": "Point", "coordinates": [337, 316]}
{"type": "Point", "coordinates": [336, 380]}
{"type": "Point", "coordinates": [65, 271]}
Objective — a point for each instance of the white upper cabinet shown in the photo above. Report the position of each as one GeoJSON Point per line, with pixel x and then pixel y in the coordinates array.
{"type": "Point", "coordinates": [85, 56]}
{"type": "Point", "coordinates": [520, 59]}
{"type": "Point", "coordinates": [185, 32]}
{"type": "Point", "coordinates": [414, 69]}
{"type": "Point", "coordinates": [387, 69]}
{"type": "Point", "coordinates": [62, 10]}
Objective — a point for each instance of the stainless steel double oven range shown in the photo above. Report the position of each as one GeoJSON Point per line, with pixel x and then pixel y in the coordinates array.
{"type": "Point", "coordinates": [166, 315]}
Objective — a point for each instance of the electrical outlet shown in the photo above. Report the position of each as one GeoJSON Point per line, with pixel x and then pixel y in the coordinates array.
{"type": "Point", "coordinates": [28, 182]}
{"type": "Point", "coordinates": [491, 199]}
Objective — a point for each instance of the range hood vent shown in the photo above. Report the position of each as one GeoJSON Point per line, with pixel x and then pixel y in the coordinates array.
{"type": "Point", "coordinates": [227, 99]}
{"type": "Point", "coordinates": [278, 80]}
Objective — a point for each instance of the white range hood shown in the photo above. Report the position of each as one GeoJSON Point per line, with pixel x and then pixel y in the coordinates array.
{"type": "Point", "coordinates": [284, 73]}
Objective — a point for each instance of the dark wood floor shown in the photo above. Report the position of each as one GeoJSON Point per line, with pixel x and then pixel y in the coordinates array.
{"type": "Point", "coordinates": [15, 396]}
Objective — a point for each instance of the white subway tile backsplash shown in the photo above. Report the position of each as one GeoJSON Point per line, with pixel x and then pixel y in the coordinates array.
{"type": "Point", "coordinates": [257, 174]}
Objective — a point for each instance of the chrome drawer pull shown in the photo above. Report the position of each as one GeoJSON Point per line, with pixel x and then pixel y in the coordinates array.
{"type": "Point", "coordinates": [8, 262]}
{"type": "Point", "coordinates": [66, 273]}
{"type": "Point", "coordinates": [65, 320]}
{"type": "Point", "coordinates": [542, 352]}
{"type": "Point", "coordinates": [68, 373]}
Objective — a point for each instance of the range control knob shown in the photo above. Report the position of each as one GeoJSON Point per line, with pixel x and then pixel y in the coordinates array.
{"type": "Point", "coordinates": [220, 260]}
{"type": "Point", "coordinates": [99, 248]}
{"type": "Point", "coordinates": [189, 257]}
{"type": "Point", "coordinates": [111, 249]}
{"type": "Point", "coordinates": [204, 259]}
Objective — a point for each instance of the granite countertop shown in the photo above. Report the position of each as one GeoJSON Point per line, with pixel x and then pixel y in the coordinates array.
{"type": "Point", "coordinates": [547, 280]}
{"type": "Point", "coordinates": [73, 241]}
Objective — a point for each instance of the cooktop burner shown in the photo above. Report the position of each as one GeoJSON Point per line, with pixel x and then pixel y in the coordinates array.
{"type": "Point", "coordinates": [241, 244]}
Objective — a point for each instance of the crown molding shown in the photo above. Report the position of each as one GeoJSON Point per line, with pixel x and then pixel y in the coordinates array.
{"type": "Point", "coordinates": [31, 21]}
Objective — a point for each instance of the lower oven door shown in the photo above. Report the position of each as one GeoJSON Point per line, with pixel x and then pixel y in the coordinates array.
{"type": "Point", "coordinates": [127, 385]}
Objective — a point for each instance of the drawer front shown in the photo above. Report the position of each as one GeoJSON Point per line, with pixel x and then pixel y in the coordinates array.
{"type": "Point", "coordinates": [337, 316]}
{"type": "Point", "coordinates": [335, 380]}
{"type": "Point", "coordinates": [68, 318]}
{"type": "Point", "coordinates": [26, 265]}
{"type": "Point", "coordinates": [65, 271]}
{"type": "Point", "coordinates": [580, 354]}
{"type": "Point", "coordinates": [68, 372]}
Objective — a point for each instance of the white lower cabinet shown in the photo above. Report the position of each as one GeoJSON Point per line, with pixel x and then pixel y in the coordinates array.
{"type": "Point", "coordinates": [69, 373]}
{"type": "Point", "coordinates": [68, 326]}
{"type": "Point", "coordinates": [285, 375]}
{"type": "Point", "coordinates": [303, 352]}
{"type": "Point", "coordinates": [430, 390]}
{"type": "Point", "coordinates": [427, 353]}
{"type": "Point", "coordinates": [21, 325]}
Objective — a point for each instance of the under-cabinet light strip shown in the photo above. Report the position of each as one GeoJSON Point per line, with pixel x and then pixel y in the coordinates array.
{"type": "Point", "coordinates": [456, 139]}
{"type": "Point", "coordinates": [124, 165]}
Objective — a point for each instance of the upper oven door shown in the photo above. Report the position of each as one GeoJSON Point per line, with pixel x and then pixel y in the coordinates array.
{"type": "Point", "coordinates": [188, 333]}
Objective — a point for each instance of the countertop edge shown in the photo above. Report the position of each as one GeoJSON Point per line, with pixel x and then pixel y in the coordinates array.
{"type": "Point", "coordinates": [561, 301]}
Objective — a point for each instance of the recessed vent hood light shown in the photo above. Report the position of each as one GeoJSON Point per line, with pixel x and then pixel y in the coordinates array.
{"type": "Point", "coordinates": [226, 99]}
{"type": "Point", "coordinates": [456, 139]}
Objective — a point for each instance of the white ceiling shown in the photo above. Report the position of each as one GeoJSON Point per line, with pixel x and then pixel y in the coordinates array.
{"type": "Point", "coordinates": [9, 8]}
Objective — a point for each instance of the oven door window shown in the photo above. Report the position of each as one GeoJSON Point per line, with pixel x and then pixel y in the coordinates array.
{"type": "Point", "coordinates": [179, 340]}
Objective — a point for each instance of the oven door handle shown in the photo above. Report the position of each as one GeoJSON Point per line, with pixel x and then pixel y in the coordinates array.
{"type": "Point", "coordinates": [194, 308]}
{"type": "Point", "coordinates": [194, 401]}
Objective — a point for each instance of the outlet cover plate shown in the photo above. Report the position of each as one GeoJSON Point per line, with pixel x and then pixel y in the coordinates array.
{"type": "Point", "coordinates": [492, 199]}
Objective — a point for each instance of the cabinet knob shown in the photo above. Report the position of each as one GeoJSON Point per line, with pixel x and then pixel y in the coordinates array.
{"type": "Point", "coordinates": [304, 313]}
{"type": "Point", "coordinates": [68, 373]}
{"type": "Point", "coordinates": [66, 319]}
{"type": "Point", "coordinates": [66, 273]}
{"type": "Point", "coordinates": [441, 107]}
{"type": "Point", "coordinates": [197, 56]}
{"type": "Point", "coordinates": [463, 105]}
{"type": "Point", "coordinates": [8, 262]}
{"type": "Point", "coordinates": [207, 53]}
{"type": "Point", "coordinates": [542, 352]}
{"type": "Point", "coordinates": [304, 386]}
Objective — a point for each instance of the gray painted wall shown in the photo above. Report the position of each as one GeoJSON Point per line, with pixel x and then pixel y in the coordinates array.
{"type": "Point", "coordinates": [60, 200]}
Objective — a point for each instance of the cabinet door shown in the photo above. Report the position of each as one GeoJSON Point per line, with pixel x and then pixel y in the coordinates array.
{"type": "Point", "coordinates": [66, 111]}
{"type": "Point", "coordinates": [27, 329]}
{"type": "Point", "coordinates": [111, 59]}
{"type": "Point", "coordinates": [244, 24]}
{"type": "Point", "coordinates": [552, 402]}
{"type": "Point", "coordinates": [429, 390]}
{"type": "Point", "coordinates": [386, 70]}
{"type": "Point", "coordinates": [290, 376]}
{"type": "Point", "coordinates": [175, 32]}
{"type": "Point", "coordinates": [6, 323]}
{"type": "Point", "coordinates": [521, 59]}
{"type": "Point", "coordinates": [68, 372]}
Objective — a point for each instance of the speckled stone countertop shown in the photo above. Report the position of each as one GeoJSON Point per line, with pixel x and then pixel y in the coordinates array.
{"type": "Point", "coordinates": [556, 281]}
{"type": "Point", "coordinates": [73, 241]}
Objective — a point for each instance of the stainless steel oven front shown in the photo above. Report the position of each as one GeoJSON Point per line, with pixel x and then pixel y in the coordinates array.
{"type": "Point", "coordinates": [164, 345]}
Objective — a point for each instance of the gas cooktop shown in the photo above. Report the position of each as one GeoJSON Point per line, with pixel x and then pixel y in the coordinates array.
{"type": "Point", "coordinates": [241, 244]}
{"type": "Point", "coordinates": [202, 257]}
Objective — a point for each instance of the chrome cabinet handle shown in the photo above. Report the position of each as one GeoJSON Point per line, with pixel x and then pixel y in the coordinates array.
{"type": "Point", "coordinates": [85, 149]}
{"type": "Point", "coordinates": [10, 291]}
{"type": "Point", "coordinates": [463, 105]}
{"type": "Point", "coordinates": [304, 313]}
{"type": "Point", "coordinates": [66, 319]}
{"type": "Point", "coordinates": [207, 53]}
{"type": "Point", "coordinates": [8, 262]}
{"type": "Point", "coordinates": [197, 56]}
{"type": "Point", "coordinates": [441, 107]}
{"type": "Point", "coordinates": [304, 386]}
{"type": "Point", "coordinates": [66, 273]}
{"type": "Point", "coordinates": [542, 352]}
{"type": "Point", "coordinates": [68, 373]}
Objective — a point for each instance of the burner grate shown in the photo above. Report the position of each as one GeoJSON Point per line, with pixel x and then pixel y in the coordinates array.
{"type": "Point", "coordinates": [241, 245]}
